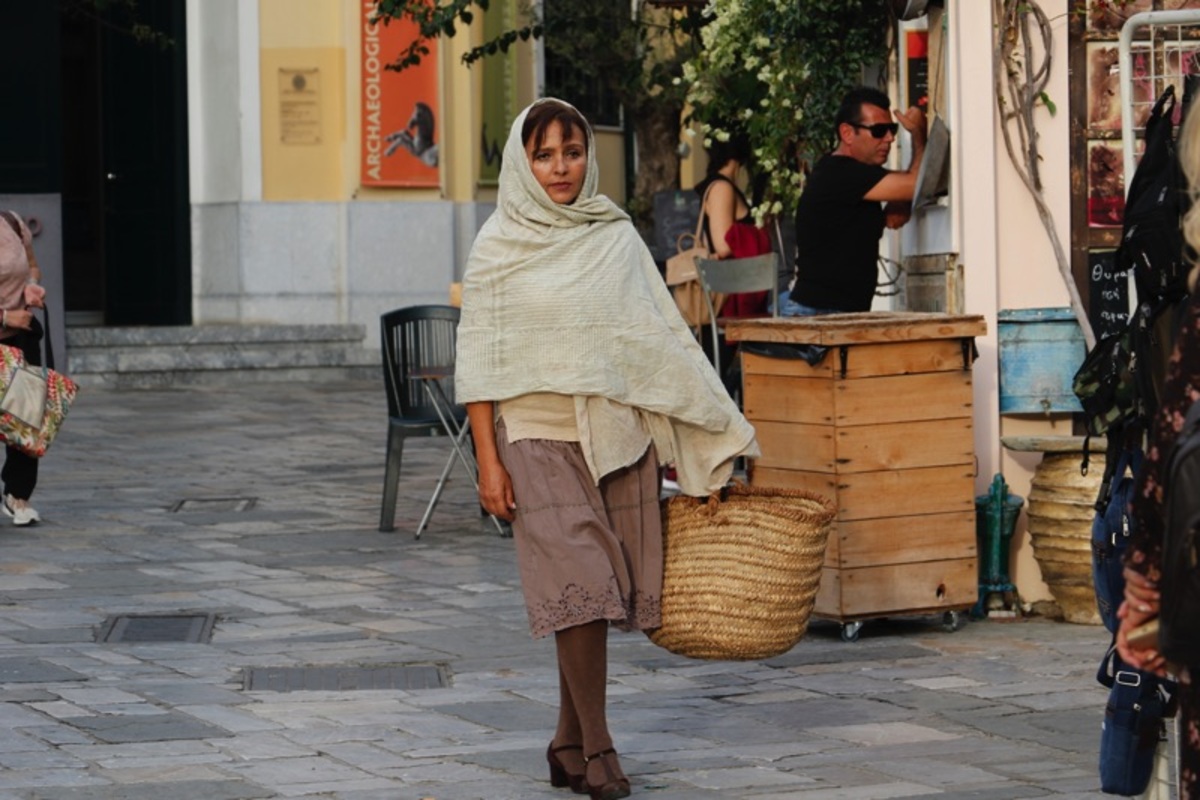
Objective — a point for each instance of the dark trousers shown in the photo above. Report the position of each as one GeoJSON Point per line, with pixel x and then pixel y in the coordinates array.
{"type": "Point", "coordinates": [20, 469]}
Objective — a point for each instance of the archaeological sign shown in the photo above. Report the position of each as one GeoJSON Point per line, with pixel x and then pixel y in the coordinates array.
{"type": "Point", "coordinates": [400, 110]}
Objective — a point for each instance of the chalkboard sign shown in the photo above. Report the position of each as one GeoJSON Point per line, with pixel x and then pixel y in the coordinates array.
{"type": "Point", "coordinates": [1108, 293]}
{"type": "Point", "coordinates": [675, 212]}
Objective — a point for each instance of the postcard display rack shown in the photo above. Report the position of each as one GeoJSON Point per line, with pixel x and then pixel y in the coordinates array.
{"type": "Point", "coordinates": [1127, 53]}
{"type": "Point", "coordinates": [882, 426]}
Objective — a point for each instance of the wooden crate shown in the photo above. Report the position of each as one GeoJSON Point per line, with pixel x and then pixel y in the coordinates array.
{"type": "Point", "coordinates": [922, 587]}
{"type": "Point", "coordinates": [883, 426]}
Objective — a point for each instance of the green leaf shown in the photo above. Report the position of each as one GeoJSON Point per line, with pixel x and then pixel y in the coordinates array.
{"type": "Point", "coordinates": [1045, 98]}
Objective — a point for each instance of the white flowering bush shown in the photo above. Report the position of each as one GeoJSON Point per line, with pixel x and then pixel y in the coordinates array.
{"type": "Point", "coordinates": [777, 69]}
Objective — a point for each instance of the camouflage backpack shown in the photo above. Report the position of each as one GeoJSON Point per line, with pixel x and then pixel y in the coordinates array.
{"type": "Point", "coordinates": [1105, 383]}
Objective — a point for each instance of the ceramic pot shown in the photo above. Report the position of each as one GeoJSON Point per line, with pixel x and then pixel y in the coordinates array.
{"type": "Point", "coordinates": [1061, 509]}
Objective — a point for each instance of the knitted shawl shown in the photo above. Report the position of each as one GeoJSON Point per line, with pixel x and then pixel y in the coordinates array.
{"type": "Point", "coordinates": [568, 299]}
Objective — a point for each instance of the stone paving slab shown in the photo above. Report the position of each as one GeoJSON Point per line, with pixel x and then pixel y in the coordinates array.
{"type": "Point", "coordinates": [301, 578]}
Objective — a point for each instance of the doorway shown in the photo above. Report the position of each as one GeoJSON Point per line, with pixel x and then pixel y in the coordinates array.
{"type": "Point", "coordinates": [126, 232]}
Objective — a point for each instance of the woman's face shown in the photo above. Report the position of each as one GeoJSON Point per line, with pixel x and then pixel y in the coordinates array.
{"type": "Point", "coordinates": [559, 165]}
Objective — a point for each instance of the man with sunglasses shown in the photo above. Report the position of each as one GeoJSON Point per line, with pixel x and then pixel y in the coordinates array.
{"type": "Point", "coordinates": [848, 200]}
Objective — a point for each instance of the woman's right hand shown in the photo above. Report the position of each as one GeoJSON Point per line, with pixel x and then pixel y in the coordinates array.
{"type": "Point", "coordinates": [21, 319]}
{"type": "Point", "coordinates": [495, 484]}
{"type": "Point", "coordinates": [495, 490]}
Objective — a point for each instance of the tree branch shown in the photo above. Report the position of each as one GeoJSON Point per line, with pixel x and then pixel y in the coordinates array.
{"type": "Point", "coordinates": [1023, 85]}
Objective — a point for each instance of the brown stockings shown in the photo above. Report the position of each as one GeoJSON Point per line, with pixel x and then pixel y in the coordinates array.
{"type": "Point", "coordinates": [582, 680]}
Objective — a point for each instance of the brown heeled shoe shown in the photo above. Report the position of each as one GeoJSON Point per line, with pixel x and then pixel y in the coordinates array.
{"type": "Point", "coordinates": [614, 787]}
{"type": "Point", "coordinates": [559, 777]}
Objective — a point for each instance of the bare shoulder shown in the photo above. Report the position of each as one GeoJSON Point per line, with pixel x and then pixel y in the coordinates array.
{"type": "Point", "coordinates": [721, 191]}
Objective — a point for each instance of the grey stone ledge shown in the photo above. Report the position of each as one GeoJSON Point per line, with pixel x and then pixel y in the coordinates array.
{"type": "Point", "coordinates": [152, 336]}
{"type": "Point", "coordinates": [220, 357]}
{"type": "Point", "coordinates": [169, 379]}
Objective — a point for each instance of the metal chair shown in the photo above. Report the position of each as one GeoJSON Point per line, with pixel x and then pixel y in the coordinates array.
{"type": "Point", "coordinates": [418, 344]}
{"type": "Point", "coordinates": [732, 275]}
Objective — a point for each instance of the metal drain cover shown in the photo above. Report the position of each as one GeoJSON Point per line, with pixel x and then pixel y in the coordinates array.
{"type": "Point", "coordinates": [345, 679]}
{"type": "Point", "coordinates": [158, 628]}
{"type": "Point", "coordinates": [215, 504]}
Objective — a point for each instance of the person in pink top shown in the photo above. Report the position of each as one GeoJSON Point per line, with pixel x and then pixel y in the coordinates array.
{"type": "Point", "coordinates": [20, 291]}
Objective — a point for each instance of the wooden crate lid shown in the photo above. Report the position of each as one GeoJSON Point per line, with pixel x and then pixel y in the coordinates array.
{"type": "Point", "coordinates": [859, 328]}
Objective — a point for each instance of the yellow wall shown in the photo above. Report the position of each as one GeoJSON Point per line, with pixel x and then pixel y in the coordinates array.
{"type": "Point", "coordinates": [460, 90]}
{"type": "Point", "coordinates": [610, 153]}
{"type": "Point", "coordinates": [311, 140]}
{"type": "Point", "coordinates": [303, 133]}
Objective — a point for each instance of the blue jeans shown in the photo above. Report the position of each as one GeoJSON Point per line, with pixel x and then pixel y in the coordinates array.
{"type": "Point", "coordinates": [790, 308]}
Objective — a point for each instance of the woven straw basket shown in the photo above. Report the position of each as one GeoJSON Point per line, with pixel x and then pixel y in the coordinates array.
{"type": "Point", "coordinates": [741, 572]}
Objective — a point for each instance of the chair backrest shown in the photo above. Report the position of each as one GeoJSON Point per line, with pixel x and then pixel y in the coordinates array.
{"type": "Point", "coordinates": [731, 275]}
{"type": "Point", "coordinates": [754, 274]}
{"type": "Point", "coordinates": [417, 338]}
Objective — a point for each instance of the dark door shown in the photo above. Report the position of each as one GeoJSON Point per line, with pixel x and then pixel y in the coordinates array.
{"type": "Point", "coordinates": [30, 143]}
{"type": "Point", "coordinates": [143, 158]}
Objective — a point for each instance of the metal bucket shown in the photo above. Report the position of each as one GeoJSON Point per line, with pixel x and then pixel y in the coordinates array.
{"type": "Point", "coordinates": [1040, 351]}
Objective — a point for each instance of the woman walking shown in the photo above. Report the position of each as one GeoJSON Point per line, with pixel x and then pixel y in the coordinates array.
{"type": "Point", "coordinates": [20, 290]}
{"type": "Point", "coordinates": [579, 378]}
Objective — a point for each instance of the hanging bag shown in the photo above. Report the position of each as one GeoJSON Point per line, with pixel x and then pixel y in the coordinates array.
{"type": "Point", "coordinates": [1133, 728]}
{"type": "Point", "coordinates": [1112, 528]}
{"type": "Point", "coordinates": [35, 400]}
{"type": "Point", "coordinates": [1152, 246]}
{"type": "Point", "coordinates": [684, 280]}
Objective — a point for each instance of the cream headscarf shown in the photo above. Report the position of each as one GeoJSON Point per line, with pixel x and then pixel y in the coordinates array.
{"type": "Point", "coordinates": [567, 299]}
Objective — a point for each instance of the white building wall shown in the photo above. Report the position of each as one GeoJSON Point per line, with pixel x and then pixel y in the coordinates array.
{"type": "Point", "coordinates": [296, 262]}
{"type": "Point", "coordinates": [219, 70]}
{"type": "Point", "coordinates": [1007, 256]}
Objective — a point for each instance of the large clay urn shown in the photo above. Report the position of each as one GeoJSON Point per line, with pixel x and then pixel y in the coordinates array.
{"type": "Point", "coordinates": [1060, 513]}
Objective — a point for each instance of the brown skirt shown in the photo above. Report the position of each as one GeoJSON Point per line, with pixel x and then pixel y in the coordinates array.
{"type": "Point", "coordinates": [585, 552]}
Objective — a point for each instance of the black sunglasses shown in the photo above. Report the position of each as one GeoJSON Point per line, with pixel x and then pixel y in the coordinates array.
{"type": "Point", "coordinates": [879, 129]}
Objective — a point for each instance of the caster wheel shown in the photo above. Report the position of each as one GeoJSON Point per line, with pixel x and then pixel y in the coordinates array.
{"type": "Point", "coordinates": [850, 631]}
{"type": "Point", "coordinates": [951, 621]}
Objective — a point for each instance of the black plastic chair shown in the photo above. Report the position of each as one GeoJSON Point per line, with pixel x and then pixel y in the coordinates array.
{"type": "Point", "coordinates": [416, 340]}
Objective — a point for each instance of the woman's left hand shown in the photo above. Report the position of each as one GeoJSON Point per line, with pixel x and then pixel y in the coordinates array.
{"type": "Point", "coordinates": [35, 295]}
{"type": "Point", "coordinates": [1141, 593]}
{"type": "Point", "coordinates": [1147, 659]}
{"type": "Point", "coordinates": [1141, 604]}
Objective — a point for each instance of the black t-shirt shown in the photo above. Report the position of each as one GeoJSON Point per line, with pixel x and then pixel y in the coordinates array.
{"type": "Point", "coordinates": [837, 236]}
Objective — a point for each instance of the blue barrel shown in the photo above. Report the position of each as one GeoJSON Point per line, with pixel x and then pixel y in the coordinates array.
{"type": "Point", "coordinates": [1040, 350]}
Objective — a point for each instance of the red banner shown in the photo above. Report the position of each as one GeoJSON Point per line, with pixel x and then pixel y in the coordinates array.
{"type": "Point", "coordinates": [400, 110]}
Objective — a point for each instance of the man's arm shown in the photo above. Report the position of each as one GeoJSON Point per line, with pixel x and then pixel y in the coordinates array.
{"type": "Point", "coordinates": [902, 186]}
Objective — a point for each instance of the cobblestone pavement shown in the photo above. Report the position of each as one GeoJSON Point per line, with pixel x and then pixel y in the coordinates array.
{"type": "Point", "coordinates": [259, 506]}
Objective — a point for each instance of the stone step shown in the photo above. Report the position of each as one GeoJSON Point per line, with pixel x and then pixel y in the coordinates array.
{"type": "Point", "coordinates": [156, 357]}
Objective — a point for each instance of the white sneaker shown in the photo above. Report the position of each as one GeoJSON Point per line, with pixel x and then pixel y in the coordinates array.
{"type": "Point", "coordinates": [21, 512]}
